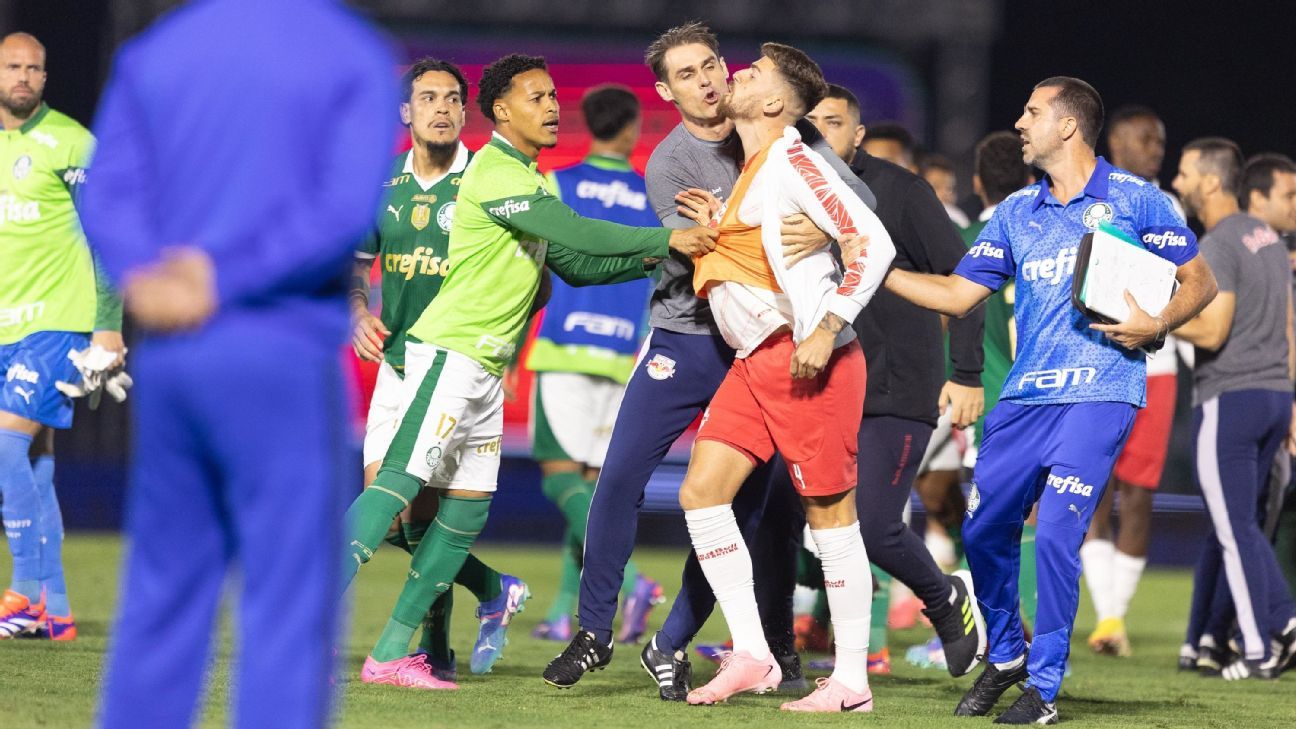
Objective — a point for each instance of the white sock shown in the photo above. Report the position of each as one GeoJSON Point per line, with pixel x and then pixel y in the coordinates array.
{"type": "Point", "coordinates": [1126, 572]}
{"type": "Point", "coordinates": [1096, 557]}
{"type": "Point", "coordinates": [850, 600]}
{"type": "Point", "coordinates": [727, 564]}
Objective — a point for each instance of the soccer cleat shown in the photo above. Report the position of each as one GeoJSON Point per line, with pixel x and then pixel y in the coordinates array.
{"type": "Point", "coordinates": [1211, 658]}
{"type": "Point", "coordinates": [832, 696]}
{"type": "Point", "coordinates": [52, 627]}
{"type": "Point", "coordinates": [584, 653]}
{"type": "Point", "coordinates": [495, 616]}
{"type": "Point", "coordinates": [411, 671]}
{"type": "Point", "coordinates": [879, 664]}
{"type": "Point", "coordinates": [1187, 657]}
{"type": "Point", "coordinates": [1242, 668]}
{"type": "Point", "coordinates": [1284, 646]}
{"type": "Point", "coordinates": [1029, 708]}
{"type": "Point", "coordinates": [960, 627]}
{"type": "Point", "coordinates": [672, 672]}
{"type": "Point", "coordinates": [559, 630]}
{"type": "Point", "coordinates": [19, 615]}
{"type": "Point", "coordinates": [445, 670]}
{"type": "Point", "coordinates": [1109, 638]}
{"type": "Point", "coordinates": [989, 686]}
{"type": "Point", "coordinates": [638, 605]}
{"type": "Point", "coordinates": [739, 673]}
{"type": "Point", "coordinates": [811, 635]}
{"type": "Point", "coordinates": [715, 652]}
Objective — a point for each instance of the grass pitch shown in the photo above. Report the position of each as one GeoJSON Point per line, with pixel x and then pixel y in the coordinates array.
{"type": "Point", "coordinates": [52, 685]}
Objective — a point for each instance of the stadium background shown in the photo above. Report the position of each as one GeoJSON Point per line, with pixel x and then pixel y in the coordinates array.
{"type": "Point", "coordinates": [949, 70]}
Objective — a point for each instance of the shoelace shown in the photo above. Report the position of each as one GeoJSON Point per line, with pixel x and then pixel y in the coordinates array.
{"type": "Point", "coordinates": [582, 652]}
{"type": "Point", "coordinates": [821, 683]}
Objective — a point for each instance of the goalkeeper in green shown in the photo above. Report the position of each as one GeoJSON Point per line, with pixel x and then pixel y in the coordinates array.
{"type": "Point", "coordinates": [507, 229]}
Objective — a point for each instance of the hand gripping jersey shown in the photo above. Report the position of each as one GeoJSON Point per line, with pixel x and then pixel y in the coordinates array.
{"type": "Point", "coordinates": [1032, 238]}
{"type": "Point", "coordinates": [506, 228]}
{"type": "Point", "coordinates": [47, 280]}
{"type": "Point", "coordinates": [594, 330]}
{"type": "Point", "coordinates": [411, 240]}
{"type": "Point", "coordinates": [752, 292]}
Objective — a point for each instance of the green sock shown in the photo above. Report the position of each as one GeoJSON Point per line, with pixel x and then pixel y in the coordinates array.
{"type": "Point", "coordinates": [436, 628]}
{"type": "Point", "coordinates": [397, 539]}
{"type": "Point", "coordinates": [413, 533]}
{"type": "Point", "coordinates": [572, 494]}
{"type": "Point", "coordinates": [564, 603]}
{"type": "Point", "coordinates": [878, 620]}
{"type": "Point", "coordinates": [1026, 583]}
{"type": "Point", "coordinates": [432, 570]}
{"type": "Point", "coordinates": [478, 577]}
{"type": "Point", "coordinates": [370, 516]}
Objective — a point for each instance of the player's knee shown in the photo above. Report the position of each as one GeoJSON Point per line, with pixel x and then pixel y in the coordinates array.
{"type": "Point", "coordinates": [695, 494]}
{"type": "Point", "coordinates": [1058, 543]}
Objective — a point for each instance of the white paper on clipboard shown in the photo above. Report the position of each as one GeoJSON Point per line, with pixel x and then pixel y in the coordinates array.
{"type": "Point", "coordinates": [1116, 264]}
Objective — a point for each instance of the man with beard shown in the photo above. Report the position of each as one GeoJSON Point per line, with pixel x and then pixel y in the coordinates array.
{"type": "Point", "coordinates": [51, 300]}
{"type": "Point", "coordinates": [683, 362]}
{"type": "Point", "coordinates": [1070, 399]}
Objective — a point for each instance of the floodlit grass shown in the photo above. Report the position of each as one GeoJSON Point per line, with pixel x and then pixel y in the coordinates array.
{"type": "Point", "coordinates": [49, 685]}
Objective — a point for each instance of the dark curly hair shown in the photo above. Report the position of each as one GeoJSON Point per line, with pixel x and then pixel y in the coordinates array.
{"type": "Point", "coordinates": [427, 65]}
{"type": "Point", "coordinates": [498, 77]}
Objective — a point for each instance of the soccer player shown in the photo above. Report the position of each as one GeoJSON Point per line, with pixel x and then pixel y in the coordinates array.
{"type": "Point", "coordinates": [584, 353]}
{"type": "Point", "coordinates": [905, 349]}
{"type": "Point", "coordinates": [1070, 398]}
{"type": "Point", "coordinates": [797, 383]}
{"type": "Point", "coordinates": [51, 300]}
{"type": "Point", "coordinates": [684, 361]}
{"type": "Point", "coordinates": [507, 228]}
{"type": "Point", "coordinates": [1242, 407]}
{"type": "Point", "coordinates": [410, 240]}
{"type": "Point", "coordinates": [238, 279]}
{"type": "Point", "coordinates": [1113, 567]}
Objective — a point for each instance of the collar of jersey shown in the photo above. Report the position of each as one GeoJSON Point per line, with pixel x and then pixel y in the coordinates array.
{"type": "Point", "coordinates": [31, 123]}
{"type": "Point", "coordinates": [1096, 187]}
{"type": "Point", "coordinates": [457, 166]}
{"type": "Point", "coordinates": [608, 162]}
{"type": "Point", "coordinates": [504, 146]}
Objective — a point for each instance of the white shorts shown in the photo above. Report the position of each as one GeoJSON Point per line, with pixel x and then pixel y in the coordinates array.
{"type": "Point", "coordinates": [384, 414]}
{"type": "Point", "coordinates": [452, 421]}
{"type": "Point", "coordinates": [572, 415]}
{"type": "Point", "coordinates": [945, 449]}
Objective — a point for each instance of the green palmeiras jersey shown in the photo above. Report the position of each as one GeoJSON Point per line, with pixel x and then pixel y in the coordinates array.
{"type": "Point", "coordinates": [507, 227]}
{"type": "Point", "coordinates": [1000, 333]}
{"type": "Point", "coordinates": [410, 239]}
{"type": "Point", "coordinates": [47, 276]}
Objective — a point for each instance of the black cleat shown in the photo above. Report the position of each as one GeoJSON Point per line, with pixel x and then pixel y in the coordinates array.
{"type": "Point", "coordinates": [582, 654]}
{"type": "Point", "coordinates": [1284, 646]}
{"type": "Point", "coordinates": [1187, 657]}
{"type": "Point", "coordinates": [989, 686]}
{"type": "Point", "coordinates": [1241, 668]}
{"type": "Point", "coordinates": [1211, 659]}
{"type": "Point", "coordinates": [672, 673]}
{"type": "Point", "coordinates": [793, 677]}
{"type": "Point", "coordinates": [1029, 708]}
{"type": "Point", "coordinates": [960, 626]}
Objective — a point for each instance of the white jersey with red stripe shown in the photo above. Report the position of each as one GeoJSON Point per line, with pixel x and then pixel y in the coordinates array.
{"type": "Point", "coordinates": [795, 179]}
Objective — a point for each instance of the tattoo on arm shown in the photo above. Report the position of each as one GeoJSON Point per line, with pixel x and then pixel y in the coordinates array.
{"type": "Point", "coordinates": [832, 323]}
{"type": "Point", "coordinates": [360, 282]}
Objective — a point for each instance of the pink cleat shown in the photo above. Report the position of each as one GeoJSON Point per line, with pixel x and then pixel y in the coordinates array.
{"type": "Point", "coordinates": [738, 673]}
{"type": "Point", "coordinates": [832, 696]}
{"type": "Point", "coordinates": [411, 671]}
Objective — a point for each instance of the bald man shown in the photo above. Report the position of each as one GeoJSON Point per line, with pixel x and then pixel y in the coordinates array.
{"type": "Point", "coordinates": [50, 306]}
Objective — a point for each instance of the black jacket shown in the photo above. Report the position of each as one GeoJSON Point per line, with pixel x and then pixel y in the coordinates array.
{"type": "Point", "coordinates": [903, 342]}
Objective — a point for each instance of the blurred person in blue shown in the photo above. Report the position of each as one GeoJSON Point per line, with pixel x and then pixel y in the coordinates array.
{"type": "Point", "coordinates": [1069, 402]}
{"type": "Point", "coordinates": [236, 275]}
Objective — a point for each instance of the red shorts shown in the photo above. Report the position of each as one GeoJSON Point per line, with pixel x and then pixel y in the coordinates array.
{"type": "Point", "coordinates": [814, 424]}
{"type": "Point", "coordinates": [1144, 456]}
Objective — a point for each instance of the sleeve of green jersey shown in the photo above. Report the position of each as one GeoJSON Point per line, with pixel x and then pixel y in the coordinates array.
{"type": "Point", "coordinates": [578, 269]}
{"type": "Point", "coordinates": [546, 217]}
{"type": "Point", "coordinates": [108, 305]}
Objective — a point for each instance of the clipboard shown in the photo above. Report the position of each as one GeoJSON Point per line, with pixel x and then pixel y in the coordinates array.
{"type": "Point", "coordinates": [1108, 263]}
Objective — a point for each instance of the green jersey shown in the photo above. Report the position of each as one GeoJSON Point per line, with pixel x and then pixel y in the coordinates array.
{"type": "Point", "coordinates": [1000, 336]}
{"type": "Point", "coordinates": [47, 277]}
{"type": "Point", "coordinates": [507, 227]}
{"type": "Point", "coordinates": [410, 239]}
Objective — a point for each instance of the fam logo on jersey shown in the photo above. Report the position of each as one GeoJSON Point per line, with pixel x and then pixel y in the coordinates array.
{"type": "Point", "coordinates": [22, 167]}
{"type": "Point", "coordinates": [974, 500]}
{"type": "Point", "coordinates": [1057, 379]}
{"type": "Point", "coordinates": [661, 367]}
{"type": "Point", "coordinates": [600, 325]}
{"type": "Point", "coordinates": [1099, 212]}
{"type": "Point", "coordinates": [421, 216]}
{"type": "Point", "coordinates": [445, 216]}
{"type": "Point", "coordinates": [987, 249]}
{"type": "Point", "coordinates": [1069, 485]}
